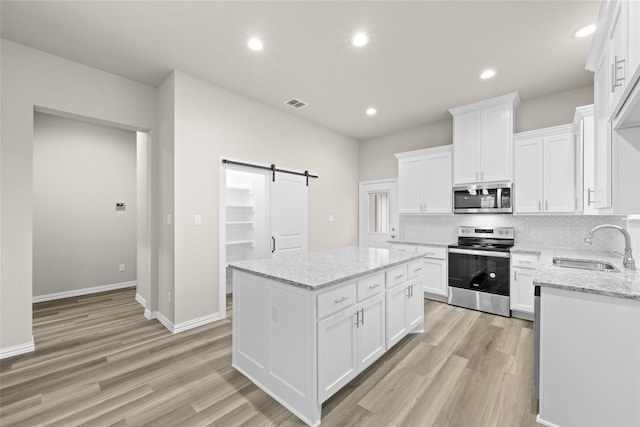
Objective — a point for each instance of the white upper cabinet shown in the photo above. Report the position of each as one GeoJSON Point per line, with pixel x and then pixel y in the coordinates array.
{"type": "Point", "coordinates": [424, 181]}
{"type": "Point", "coordinates": [482, 139]}
{"type": "Point", "coordinates": [545, 171]}
{"type": "Point", "coordinates": [584, 129]}
{"type": "Point", "coordinates": [615, 60]}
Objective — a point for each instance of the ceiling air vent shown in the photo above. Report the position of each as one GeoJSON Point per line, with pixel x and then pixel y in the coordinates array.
{"type": "Point", "coordinates": [296, 103]}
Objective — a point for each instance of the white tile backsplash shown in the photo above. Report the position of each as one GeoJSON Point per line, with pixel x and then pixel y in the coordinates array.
{"type": "Point", "coordinates": [560, 231]}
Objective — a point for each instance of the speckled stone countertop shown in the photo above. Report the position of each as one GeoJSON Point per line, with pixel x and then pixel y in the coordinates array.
{"type": "Point", "coordinates": [320, 269]}
{"type": "Point", "coordinates": [426, 243]}
{"type": "Point", "coordinates": [620, 284]}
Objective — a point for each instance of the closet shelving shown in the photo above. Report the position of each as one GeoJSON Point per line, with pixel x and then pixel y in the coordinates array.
{"type": "Point", "coordinates": [240, 223]}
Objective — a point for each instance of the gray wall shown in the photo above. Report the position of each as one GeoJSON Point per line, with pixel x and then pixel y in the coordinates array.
{"type": "Point", "coordinates": [209, 123]}
{"type": "Point", "coordinates": [32, 78]}
{"type": "Point", "coordinates": [376, 154]}
{"type": "Point", "coordinates": [80, 170]}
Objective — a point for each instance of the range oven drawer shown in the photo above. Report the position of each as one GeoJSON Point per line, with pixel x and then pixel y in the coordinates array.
{"type": "Point", "coordinates": [483, 273]}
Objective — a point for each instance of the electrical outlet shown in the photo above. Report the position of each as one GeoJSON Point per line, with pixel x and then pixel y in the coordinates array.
{"type": "Point", "coordinates": [121, 267]}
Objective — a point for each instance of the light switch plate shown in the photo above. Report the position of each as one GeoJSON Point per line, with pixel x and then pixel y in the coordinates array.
{"type": "Point", "coordinates": [197, 220]}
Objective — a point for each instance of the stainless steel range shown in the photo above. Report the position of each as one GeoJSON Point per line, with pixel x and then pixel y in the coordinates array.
{"type": "Point", "coordinates": [479, 269]}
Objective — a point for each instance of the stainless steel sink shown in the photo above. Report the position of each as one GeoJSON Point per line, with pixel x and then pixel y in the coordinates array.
{"type": "Point", "coordinates": [585, 264]}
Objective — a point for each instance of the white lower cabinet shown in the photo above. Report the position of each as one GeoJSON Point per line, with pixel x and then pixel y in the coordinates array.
{"type": "Point", "coordinates": [523, 271]}
{"type": "Point", "coordinates": [337, 352]}
{"type": "Point", "coordinates": [371, 330]}
{"type": "Point", "coordinates": [396, 325]}
{"type": "Point", "coordinates": [405, 310]}
{"type": "Point", "coordinates": [348, 342]}
{"type": "Point", "coordinates": [435, 272]}
{"type": "Point", "coordinates": [302, 345]}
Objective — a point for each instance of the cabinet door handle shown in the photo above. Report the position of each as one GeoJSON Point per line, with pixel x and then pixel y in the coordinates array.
{"type": "Point", "coordinates": [374, 286]}
{"type": "Point", "coordinates": [362, 317]}
{"type": "Point", "coordinates": [539, 205]}
{"type": "Point", "coordinates": [515, 275]}
{"type": "Point", "coordinates": [357, 318]}
{"type": "Point", "coordinates": [546, 205]}
{"type": "Point", "coordinates": [589, 200]}
{"type": "Point", "coordinates": [339, 300]}
{"type": "Point", "coordinates": [415, 270]}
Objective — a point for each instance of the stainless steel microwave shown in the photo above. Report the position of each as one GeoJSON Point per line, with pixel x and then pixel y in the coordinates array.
{"type": "Point", "coordinates": [483, 198]}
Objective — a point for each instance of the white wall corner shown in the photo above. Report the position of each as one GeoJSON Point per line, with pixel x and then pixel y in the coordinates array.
{"type": "Point", "coordinates": [189, 324]}
{"type": "Point", "coordinates": [150, 314]}
{"type": "Point", "coordinates": [194, 323]}
{"type": "Point", "coordinates": [85, 291]}
{"type": "Point", "coordinates": [141, 301]}
{"type": "Point", "coordinates": [165, 322]}
{"type": "Point", "coordinates": [17, 349]}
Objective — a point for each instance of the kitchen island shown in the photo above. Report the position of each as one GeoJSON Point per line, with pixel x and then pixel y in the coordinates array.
{"type": "Point", "coordinates": [589, 342]}
{"type": "Point", "coordinates": [305, 325]}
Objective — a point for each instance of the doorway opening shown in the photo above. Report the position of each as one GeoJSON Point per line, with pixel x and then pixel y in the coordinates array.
{"type": "Point", "coordinates": [89, 208]}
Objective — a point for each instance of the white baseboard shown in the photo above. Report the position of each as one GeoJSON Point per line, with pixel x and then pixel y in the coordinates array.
{"type": "Point", "coordinates": [85, 291]}
{"type": "Point", "coordinates": [184, 326]}
{"type": "Point", "coordinates": [545, 423]}
{"type": "Point", "coordinates": [141, 300]}
{"type": "Point", "coordinates": [17, 349]}
{"type": "Point", "coordinates": [150, 314]}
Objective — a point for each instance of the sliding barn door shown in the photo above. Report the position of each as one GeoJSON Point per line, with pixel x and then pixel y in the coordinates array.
{"type": "Point", "coordinates": [289, 213]}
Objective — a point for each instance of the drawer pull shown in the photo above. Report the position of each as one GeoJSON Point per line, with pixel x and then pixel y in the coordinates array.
{"type": "Point", "coordinates": [415, 270]}
{"type": "Point", "coordinates": [524, 262]}
{"type": "Point", "coordinates": [374, 286]}
{"type": "Point", "coordinates": [399, 276]}
{"type": "Point", "coordinates": [339, 300]}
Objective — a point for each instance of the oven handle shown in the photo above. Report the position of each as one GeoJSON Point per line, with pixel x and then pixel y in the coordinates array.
{"type": "Point", "coordinates": [481, 253]}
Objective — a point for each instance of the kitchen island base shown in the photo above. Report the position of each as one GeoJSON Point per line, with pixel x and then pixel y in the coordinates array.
{"type": "Point", "coordinates": [302, 345]}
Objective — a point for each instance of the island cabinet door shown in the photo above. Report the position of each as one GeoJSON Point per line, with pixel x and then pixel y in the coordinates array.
{"type": "Point", "coordinates": [415, 306]}
{"type": "Point", "coordinates": [396, 306]}
{"type": "Point", "coordinates": [337, 352]}
{"type": "Point", "coordinates": [371, 331]}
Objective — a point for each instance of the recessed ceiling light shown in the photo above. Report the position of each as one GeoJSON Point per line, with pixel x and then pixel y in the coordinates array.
{"type": "Point", "coordinates": [487, 74]}
{"type": "Point", "coordinates": [255, 44]}
{"type": "Point", "coordinates": [586, 31]}
{"type": "Point", "coordinates": [371, 111]}
{"type": "Point", "coordinates": [360, 39]}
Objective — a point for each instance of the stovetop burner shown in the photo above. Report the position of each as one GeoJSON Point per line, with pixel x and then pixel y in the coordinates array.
{"type": "Point", "coordinates": [499, 239]}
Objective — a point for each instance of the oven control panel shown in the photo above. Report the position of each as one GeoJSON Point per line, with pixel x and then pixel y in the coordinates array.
{"type": "Point", "coordinates": [495, 233]}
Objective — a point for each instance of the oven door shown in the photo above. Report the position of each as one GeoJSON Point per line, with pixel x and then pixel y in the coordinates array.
{"type": "Point", "coordinates": [483, 271]}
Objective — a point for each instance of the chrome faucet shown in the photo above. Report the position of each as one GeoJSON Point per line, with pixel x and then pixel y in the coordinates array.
{"type": "Point", "coordinates": [628, 262]}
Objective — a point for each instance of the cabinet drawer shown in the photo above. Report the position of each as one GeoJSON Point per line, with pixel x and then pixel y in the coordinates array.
{"type": "Point", "coordinates": [336, 299]}
{"type": "Point", "coordinates": [399, 247]}
{"type": "Point", "coordinates": [370, 286]}
{"type": "Point", "coordinates": [396, 276]}
{"type": "Point", "coordinates": [524, 260]}
{"type": "Point", "coordinates": [415, 268]}
{"type": "Point", "coordinates": [433, 252]}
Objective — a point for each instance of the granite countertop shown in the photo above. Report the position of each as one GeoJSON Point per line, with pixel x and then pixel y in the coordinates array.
{"type": "Point", "coordinates": [621, 284]}
{"type": "Point", "coordinates": [315, 270]}
{"type": "Point", "coordinates": [423, 243]}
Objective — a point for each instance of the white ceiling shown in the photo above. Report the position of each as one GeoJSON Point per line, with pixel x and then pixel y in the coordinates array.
{"type": "Point", "coordinates": [423, 56]}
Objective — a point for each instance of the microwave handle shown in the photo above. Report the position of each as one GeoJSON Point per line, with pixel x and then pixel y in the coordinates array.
{"type": "Point", "coordinates": [499, 197]}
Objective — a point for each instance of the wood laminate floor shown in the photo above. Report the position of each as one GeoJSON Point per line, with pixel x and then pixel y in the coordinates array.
{"type": "Point", "coordinates": [99, 362]}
